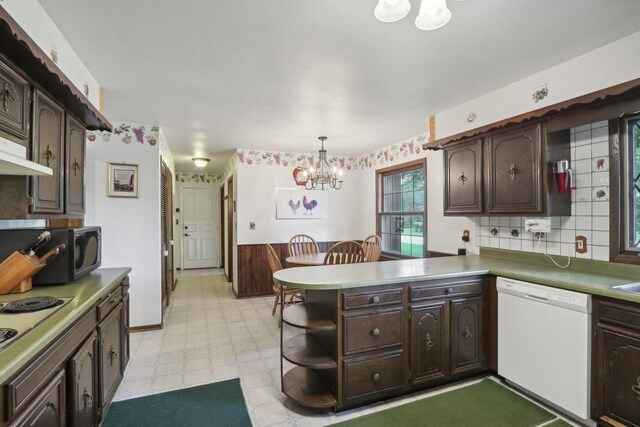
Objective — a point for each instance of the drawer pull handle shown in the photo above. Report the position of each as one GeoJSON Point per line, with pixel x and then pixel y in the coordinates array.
{"type": "Point", "coordinates": [636, 388]}
{"type": "Point", "coordinates": [112, 301]}
{"type": "Point", "coordinates": [462, 179]}
{"type": "Point", "coordinates": [467, 335]}
{"type": "Point", "coordinates": [8, 97]}
{"type": "Point", "coordinates": [49, 155]}
{"type": "Point", "coordinates": [52, 406]}
{"type": "Point", "coordinates": [76, 167]}
{"type": "Point", "coordinates": [88, 400]}
{"type": "Point", "coordinates": [376, 377]}
{"type": "Point", "coordinates": [112, 354]}
{"type": "Point", "coordinates": [513, 171]}
{"type": "Point", "coordinates": [375, 299]}
{"type": "Point", "coordinates": [429, 342]}
{"type": "Point", "coordinates": [376, 332]}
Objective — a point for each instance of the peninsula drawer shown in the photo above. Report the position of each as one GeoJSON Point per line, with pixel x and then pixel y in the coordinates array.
{"type": "Point", "coordinates": [352, 301]}
{"type": "Point", "coordinates": [365, 378]}
{"type": "Point", "coordinates": [620, 313]}
{"type": "Point", "coordinates": [364, 332]}
{"type": "Point", "coordinates": [430, 291]}
{"type": "Point", "coordinates": [109, 303]}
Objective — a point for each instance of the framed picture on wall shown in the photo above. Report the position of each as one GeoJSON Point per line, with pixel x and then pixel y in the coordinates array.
{"type": "Point", "coordinates": [122, 180]}
{"type": "Point", "coordinates": [293, 203]}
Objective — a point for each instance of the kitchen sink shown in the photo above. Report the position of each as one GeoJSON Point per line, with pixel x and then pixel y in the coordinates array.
{"type": "Point", "coordinates": [632, 288]}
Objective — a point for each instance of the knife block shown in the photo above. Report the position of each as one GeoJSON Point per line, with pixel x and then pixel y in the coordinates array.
{"type": "Point", "coordinates": [16, 273]}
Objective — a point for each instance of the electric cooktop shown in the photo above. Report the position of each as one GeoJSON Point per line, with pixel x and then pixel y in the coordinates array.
{"type": "Point", "coordinates": [19, 317]}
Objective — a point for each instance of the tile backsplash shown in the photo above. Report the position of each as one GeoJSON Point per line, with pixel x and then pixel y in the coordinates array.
{"type": "Point", "coordinates": [589, 206]}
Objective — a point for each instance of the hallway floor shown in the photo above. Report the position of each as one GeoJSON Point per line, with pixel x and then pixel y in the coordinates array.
{"type": "Point", "coordinates": [210, 336]}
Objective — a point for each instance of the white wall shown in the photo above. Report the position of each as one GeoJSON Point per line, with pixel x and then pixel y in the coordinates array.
{"type": "Point", "coordinates": [601, 68]}
{"type": "Point", "coordinates": [257, 202]}
{"type": "Point", "coordinates": [35, 21]}
{"type": "Point", "coordinates": [130, 227]}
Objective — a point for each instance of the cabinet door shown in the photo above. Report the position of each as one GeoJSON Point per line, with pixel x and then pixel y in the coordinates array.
{"type": "Point", "coordinates": [126, 346]}
{"type": "Point", "coordinates": [48, 150]}
{"type": "Point", "coordinates": [14, 104]}
{"type": "Point", "coordinates": [466, 335]}
{"type": "Point", "coordinates": [621, 377]}
{"type": "Point", "coordinates": [429, 343]}
{"type": "Point", "coordinates": [74, 173]}
{"type": "Point", "coordinates": [515, 172]}
{"type": "Point", "coordinates": [463, 179]}
{"type": "Point", "coordinates": [110, 362]}
{"type": "Point", "coordinates": [48, 408]}
{"type": "Point", "coordinates": [83, 368]}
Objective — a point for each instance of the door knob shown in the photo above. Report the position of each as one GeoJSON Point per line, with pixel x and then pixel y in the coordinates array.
{"type": "Point", "coordinates": [165, 253]}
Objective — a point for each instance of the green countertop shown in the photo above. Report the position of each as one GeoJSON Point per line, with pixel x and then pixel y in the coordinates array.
{"type": "Point", "coordinates": [85, 292]}
{"type": "Point", "coordinates": [592, 277]}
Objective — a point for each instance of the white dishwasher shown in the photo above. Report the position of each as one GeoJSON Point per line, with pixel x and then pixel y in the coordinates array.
{"type": "Point", "coordinates": [544, 343]}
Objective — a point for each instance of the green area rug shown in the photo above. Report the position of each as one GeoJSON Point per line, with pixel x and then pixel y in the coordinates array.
{"type": "Point", "coordinates": [215, 404]}
{"type": "Point", "coordinates": [486, 403]}
{"type": "Point", "coordinates": [558, 423]}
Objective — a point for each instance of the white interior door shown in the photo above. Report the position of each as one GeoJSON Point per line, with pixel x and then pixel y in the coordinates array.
{"type": "Point", "coordinates": [199, 228]}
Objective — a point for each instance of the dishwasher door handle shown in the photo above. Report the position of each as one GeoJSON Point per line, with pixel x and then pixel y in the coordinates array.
{"type": "Point", "coordinates": [536, 298]}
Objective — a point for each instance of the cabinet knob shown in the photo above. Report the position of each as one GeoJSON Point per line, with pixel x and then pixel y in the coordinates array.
{"type": "Point", "coordinates": [8, 97]}
{"type": "Point", "coordinates": [462, 179]}
{"type": "Point", "coordinates": [376, 332]}
{"type": "Point", "coordinates": [112, 354]}
{"type": "Point", "coordinates": [376, 377]}
{"type": "Point", "coordinates": [513, 171]}
{"type": "Point", "coordinates": [187, 235]}
{"type": "Point", "coordinates": [87, 399]}
{"type": "Point", "coordinates": [467, 335]}
{"type": "Point", "coordinates": [52, 406]}
{"type": "Point", "coordinates": [49, 155]}
{"type": "Point", "coordinates": [375, 299]}
{"type": "Point", "coordinates": [76, 167]}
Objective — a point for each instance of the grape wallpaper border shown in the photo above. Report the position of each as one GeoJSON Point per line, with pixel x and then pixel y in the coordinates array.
{"type": "Point", "coordinates": [128, 133]}
{"type": "Point", "coordinates": [405, 149]}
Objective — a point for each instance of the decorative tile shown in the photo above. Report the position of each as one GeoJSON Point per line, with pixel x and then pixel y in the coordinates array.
{"type": "Point", "coordinates": [600, 193]}
{"type": "Point", "coordinates": [600, 164]}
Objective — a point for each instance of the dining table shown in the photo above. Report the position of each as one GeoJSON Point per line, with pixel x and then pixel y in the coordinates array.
{"type": "Point", "coordinates": [306, 260]}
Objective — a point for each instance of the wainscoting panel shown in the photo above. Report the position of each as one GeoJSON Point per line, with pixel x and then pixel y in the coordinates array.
{"type": "Point", "coordinates": [254, 274]}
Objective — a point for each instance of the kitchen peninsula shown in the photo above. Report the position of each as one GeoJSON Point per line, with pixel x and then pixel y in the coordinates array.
{"type": "Point", "coordinates": [66, 369]}
{"type": "Point", "coordinates": [377, 330]}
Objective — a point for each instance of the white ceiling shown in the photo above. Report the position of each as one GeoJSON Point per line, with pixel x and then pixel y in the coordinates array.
{"type": "Point", "coordinates": [275, 74]}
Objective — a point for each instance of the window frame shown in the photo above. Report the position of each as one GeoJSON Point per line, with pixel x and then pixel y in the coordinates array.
{"type": "Point", "coordinates": [618, 228]}
{"type": "Point", "coordinates": [392, 170]}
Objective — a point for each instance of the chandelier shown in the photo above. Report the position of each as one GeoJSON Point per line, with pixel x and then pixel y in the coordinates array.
{"type": "Point", "coordinates": [323, 173]}
{"type": "Point", "coordinates": [433, 14]}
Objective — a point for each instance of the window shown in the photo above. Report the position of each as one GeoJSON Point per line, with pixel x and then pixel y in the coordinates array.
{"type": "Point", "coordinates": [624, 178]}
{"type": "Point", "coordinates": [401, 213]}
{"type": "Point", "coordinates": [631, 177]}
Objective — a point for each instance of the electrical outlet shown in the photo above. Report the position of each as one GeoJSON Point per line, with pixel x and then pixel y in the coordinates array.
{"type": "Point", "coordinates": [581, 244]}
{"type": "Point", "coordinates": [252, 225]}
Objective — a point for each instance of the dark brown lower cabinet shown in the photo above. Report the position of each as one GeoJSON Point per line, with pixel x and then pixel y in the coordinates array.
{"type": "Point", "coordinates": [466, 335]}
{"type": "Point", "coordinates": [48, 408]}
{"type": "Point", "coordinates": [83, 369]}
{"type": "Point", "coordinates": [429, 342]}
{"type": "Point", "coordinates": [380, 342]}
{"type": "Point", "coordinates": [72, 382]}
{"type": "Point", "coordinates": [110, 350]}
{"type": "Point", "coordinates": [616, 363]}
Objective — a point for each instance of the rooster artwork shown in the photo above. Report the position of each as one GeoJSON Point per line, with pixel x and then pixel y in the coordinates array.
{"type": "Point", "coordinates": [294, 206]}
{"type": "Point", "coordinates": [309, 205]}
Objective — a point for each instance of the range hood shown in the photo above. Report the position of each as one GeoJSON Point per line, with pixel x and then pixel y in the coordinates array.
{"type": "Point", "coordinates": [13, 161]}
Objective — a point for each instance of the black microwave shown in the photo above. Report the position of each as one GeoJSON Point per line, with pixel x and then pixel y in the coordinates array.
{"type": "Point", "coordinates": [82, 255]}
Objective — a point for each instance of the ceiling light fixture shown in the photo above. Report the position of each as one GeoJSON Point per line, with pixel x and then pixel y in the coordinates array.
{"type": "Point", "coordinates": [433, 14]}
{"type": "Point", "coordinates": [322, 174]}
{"type": "Point", "coordinates": [391, 10]}
{"type": "Point", "coordinates": [201, 162]}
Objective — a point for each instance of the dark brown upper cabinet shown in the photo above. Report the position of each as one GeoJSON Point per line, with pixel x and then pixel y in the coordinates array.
{"type": "Point", "coordinates": [14, 104]}
{"type": "Point", "coordinates": [463, 178]}
{"type": "Point", "coordinates": [74, 173]}
{"type": "Point", "coordinates": [48, 150]}
{"type": "Point", "coordinates": [514, 171]}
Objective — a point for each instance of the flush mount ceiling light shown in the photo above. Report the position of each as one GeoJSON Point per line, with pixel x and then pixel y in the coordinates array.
{"type": "Point", "coordinates": [391, 10]}
{"type": "Point", "coordinates": [201, 162]}
{"type": "Point", "coordinates": [433, 14]}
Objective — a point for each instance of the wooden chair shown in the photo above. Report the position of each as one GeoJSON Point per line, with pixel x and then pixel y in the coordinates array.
{"type": "Point", "coordinates": [276, 265]}
{"type": "Point", "coordinates": [301, 244]}
{"type": "Point", "coordinates": [346, 252]}
{"type": "Point", "coordinates": [372, 246]}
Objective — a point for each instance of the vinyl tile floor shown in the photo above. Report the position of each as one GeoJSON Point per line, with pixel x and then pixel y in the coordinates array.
{"type": "Point", "coordinates": [210, 336]}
